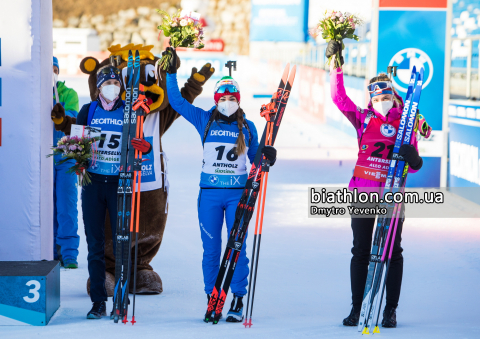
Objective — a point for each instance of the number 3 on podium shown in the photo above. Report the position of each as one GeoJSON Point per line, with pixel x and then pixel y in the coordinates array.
{"type": "Point", "coordinates": [33, 291]}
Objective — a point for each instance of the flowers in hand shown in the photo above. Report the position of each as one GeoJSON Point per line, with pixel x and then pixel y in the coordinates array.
{"type": "Point", "coordinates": [82, 150]}
{"type": "Point", "coordinates": [337, 25]}
{"type": "Point", "coordinates": [183, 29]}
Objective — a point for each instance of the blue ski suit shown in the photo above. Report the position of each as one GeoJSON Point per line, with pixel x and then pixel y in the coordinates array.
{"type": "Point", "coordinates": [65, 214]}
{"type": "Point", "coordinates": [222, 180]}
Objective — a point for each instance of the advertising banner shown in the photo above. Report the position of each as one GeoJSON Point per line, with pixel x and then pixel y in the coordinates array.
{"type": "Point", "coordinates": [464, 142]}
{"type": "Point", "coordinates": [279, 20]}
{"type": "Point", "coordinates": [26, 185]}
{"type": "Point", "coordinates": [311, 83]}
{"type": "Point", "coordinates": [414, 34]}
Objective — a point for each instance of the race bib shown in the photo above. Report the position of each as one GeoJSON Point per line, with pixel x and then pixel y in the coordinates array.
{"type": "Point", "coordinates": [221, 158]}
{"type": "Point", "coordinates": [376, 149]}
{"type": "Point", "coordinates": [108, 154]}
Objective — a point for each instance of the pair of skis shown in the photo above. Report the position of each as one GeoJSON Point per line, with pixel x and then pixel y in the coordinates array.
{"type": "Point", "coordinates": [246, 205]}
{"type": "Point", "coordinates": [130, 171]}
{"type": "Point", "coordinates": [385, 232]}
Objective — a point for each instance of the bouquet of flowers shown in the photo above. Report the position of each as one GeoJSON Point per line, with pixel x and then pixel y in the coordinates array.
{"type": "Point", "coordinates": [183, 29]}
{"type": "Point", "coordinates": [82, 150]}
{"type": "Point", "coordinates": [337, 26]}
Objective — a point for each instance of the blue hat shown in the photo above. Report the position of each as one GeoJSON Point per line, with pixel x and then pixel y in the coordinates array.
{"type": "Point", "coordinates": [108, 73]}
{"type": "Point", "coordinates": [55, 63]}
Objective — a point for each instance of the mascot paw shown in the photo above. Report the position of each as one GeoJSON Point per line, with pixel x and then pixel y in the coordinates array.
{"type": "Point", "coordinates": [148, 282]}
{"type": "Point", "coordinates": [204, 74]}
{"type": "Point", "coordinates": [109, 284]}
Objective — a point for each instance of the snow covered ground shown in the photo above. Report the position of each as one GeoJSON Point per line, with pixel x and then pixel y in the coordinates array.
{"type": "Point", "coordinates": [303, 288]}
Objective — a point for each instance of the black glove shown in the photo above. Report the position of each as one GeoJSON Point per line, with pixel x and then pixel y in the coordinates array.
{"type": "Point", "coordinates": [333, 48]}
{"type": "Point", "coordinates": [172, 64]}
{"type": "Point", "coordinates": [410, 154]}
{"type": "Point", "coordinates": [270, 153]}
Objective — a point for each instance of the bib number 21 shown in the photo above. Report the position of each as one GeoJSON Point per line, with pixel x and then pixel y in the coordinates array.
{"type": "Point", "coordinates": [231, 155]}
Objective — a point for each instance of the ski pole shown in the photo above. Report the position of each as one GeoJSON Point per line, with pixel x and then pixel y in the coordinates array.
{"type": "Point", "coordinates": [142, 105]}
{"type": "Point", "coordinates": [254, 246]}
{"type": "Point", "coordinates": [377, 301]}
{"type": "Point", "coordinates": [259, 220]}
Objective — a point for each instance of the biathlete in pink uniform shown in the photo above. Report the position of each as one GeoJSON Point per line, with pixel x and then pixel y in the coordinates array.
{"type": "Point", "coordinates": [376, 128]}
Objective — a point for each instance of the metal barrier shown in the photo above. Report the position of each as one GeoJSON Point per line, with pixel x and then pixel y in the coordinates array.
{"type": "Point", "coordinates": [465, 67]}
{"type": "Point", "coordinates": [356, 56]}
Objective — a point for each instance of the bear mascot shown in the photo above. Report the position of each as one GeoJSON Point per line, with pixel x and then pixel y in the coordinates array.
{"type": "Point", "coordinates": [154, 187]}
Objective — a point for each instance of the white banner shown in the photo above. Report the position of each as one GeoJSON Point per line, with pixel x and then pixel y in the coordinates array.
{"type": "Point", "coordinates": [26, 175]}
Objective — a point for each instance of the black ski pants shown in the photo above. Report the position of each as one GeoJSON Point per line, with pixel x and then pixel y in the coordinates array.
{"type": "Point", "coordinates": [362, 244]}
{"type": "Point", "coordinates": [96, 198]}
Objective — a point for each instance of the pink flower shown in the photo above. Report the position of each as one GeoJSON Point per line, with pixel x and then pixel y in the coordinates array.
{"type": "Point", "coordinates": [174, 24]}
{"type": "Point", "coordinates": [341, 19]}
{"type": "Point", "coordinates": [353, 25]}
{"type": "Point", "coordinates": [339, 14]}
{"type": "Point", "coordinates": [183, 22]}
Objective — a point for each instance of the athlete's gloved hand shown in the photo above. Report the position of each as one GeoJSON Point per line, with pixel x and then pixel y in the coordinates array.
{"type": "Point", "coordinates": [141, 145]}
{"type": "Point", "coordinates": [410, 154]}
{"type": "Point", "coordinates": [270, 153]}
{"type": "Point", "coordinates": [172, 63]}
{"type": "Point", "coordinates": [333, 48]}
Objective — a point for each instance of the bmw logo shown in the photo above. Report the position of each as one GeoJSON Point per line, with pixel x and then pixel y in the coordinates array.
{"type": "Point", "coordinates": [405, 60]}
{"type": "Point", "coordinates": [213, 179]}
{"type": "Point", "coordinates": [387, 130]}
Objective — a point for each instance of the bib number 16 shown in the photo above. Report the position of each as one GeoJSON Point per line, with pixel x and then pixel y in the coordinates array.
{"type": "Point", "coordinates": [231, 155]}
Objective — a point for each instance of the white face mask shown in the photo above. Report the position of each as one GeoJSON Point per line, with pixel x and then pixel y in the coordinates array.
{"type": "Point", "coordinates": [383, 107]}
{"type": "Point", "coordinates": [227, 107]}
{"type": "Point", "coordinates": [110, 92]}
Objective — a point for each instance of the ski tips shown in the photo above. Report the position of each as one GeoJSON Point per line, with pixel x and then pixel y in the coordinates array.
{"type": "Point", "coordinates": [285, 73]}
{"type": "Point", "coordinates": [291, 77]}
{"type": "Point", "coordinates": [376, 330]}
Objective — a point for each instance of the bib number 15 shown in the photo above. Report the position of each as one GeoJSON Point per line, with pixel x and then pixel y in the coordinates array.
{"type": "Point", "coordinates": [231, 155]}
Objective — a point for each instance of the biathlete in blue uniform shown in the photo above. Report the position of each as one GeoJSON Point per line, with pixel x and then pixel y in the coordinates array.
{"type": "Point", "coordinates": [228, 138]}
{"type": "Point", "coordinates": [106, 113]}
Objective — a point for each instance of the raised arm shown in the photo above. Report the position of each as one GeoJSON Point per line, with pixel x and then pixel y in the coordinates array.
{"type": "Point", "coordinates": [352, 112]}
{"type": "Point", "coordinates": [192, 89]}
{"type": "Point", "coordinates": [196, 116]}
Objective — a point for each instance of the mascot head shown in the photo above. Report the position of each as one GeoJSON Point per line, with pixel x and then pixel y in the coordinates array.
{"type": "Point", "coordinates": [152, 77]}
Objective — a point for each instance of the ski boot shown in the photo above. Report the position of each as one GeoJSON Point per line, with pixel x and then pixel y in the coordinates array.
{"type": "Point", "coordinates": [213, 314]}
{"type": "Point", "coordinates": [352, 319]}
{"type": "Point", "coordinates": [70, 263]}
{"type": "Point", "coordinates": [99, 310]}
{"type": "Point", "coordinates": [389, 317]}
{"type": "Point", "coordinates": [235, 314]}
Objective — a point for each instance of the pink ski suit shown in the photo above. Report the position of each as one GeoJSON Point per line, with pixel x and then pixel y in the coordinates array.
{"type": "Point", "coordinates": [380, 132]}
